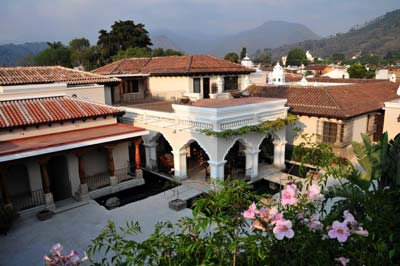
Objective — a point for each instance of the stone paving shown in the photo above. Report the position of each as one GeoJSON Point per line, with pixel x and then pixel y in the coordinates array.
{"type": "Point", "coordinates": [30, 239]}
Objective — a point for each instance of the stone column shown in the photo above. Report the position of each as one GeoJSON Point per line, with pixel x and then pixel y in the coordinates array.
{"type": "Point", "coordinates": [180, 163]}
{"type": "Point", "coordinates": [252, 163]}
{"type": "Point", "coordinates": [49, 200]}
{"type": "Point", "coordinates": [111, 166]}
{"type": "Point", "coordinates": [279, 153]}
{"type": "Point", "coordinates": [217, 170]}
{"type": "Point", "coordinates": [3, 188]}
{"type": "Point", "coordinates": [83, 193]}
{"type": "Point", "coordinates": [220, 83]}
{"type": "Point", "coordinates": [151, 155]}
{"type": "Point", "coordinates": [138, 171]}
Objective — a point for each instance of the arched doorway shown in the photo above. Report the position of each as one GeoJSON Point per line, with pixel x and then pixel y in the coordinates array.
{"type": "Point", "coordinates": [197, 162]}
{"type": "Point", "coordinates": [266, 155]}
{"type": "Point", "coordinates": [235, 166]}
{"type": "Point", "coordinates": [60, 185]}
{"type": "Point", "coordinates": [165, 159]}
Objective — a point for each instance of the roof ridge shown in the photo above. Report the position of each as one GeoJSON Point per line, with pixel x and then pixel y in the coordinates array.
{"type": "Point", "coordinates": [190, 63]}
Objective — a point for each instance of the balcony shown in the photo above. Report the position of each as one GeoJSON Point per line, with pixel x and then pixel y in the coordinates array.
{"type": "Point", "coordinates": [211, 114]}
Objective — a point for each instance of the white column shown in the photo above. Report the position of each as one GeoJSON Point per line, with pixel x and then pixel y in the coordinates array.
{"type": "Point", "coordinates": [151, 155]}
{"type": "Point", "coordinates": [252, 163]}
{"type": "Point", "coordinates": [180, 163]}
{"type": "Point", "coordinates": [279, 153]}
{"type": "Point", "coordinates": [217, 170]}
{"type": "Point", "coordinates": [220, 83]}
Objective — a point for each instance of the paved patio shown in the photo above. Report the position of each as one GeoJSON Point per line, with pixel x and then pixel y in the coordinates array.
{"type": "Point", "coordinates": [30, 239]}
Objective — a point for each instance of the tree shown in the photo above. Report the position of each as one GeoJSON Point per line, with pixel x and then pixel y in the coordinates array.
{"type": "Point", "coordinates": [55, 54]}
{"type": "Point", "coordinates": [123, 35]}
{"type": "Point", "coordinates": [133, 52]}
{"type": "Point", "coordinates": [243, 53]}
{"type": "Point", "coordinates": [357, 71]}
{"type": "Point", "coordinates": [296, 57]}
{"type": "Point", "coordinates": [158, 52]}
{"type": "Point", "coordinates": [338, 57]}
{"type": "Point", "coordinates": [170, 52]}
{"type": "Point", "coordinates": [263, 57]}
{"type": "Point", "coordinates": [233, 57]}
{"type": "Point", "coordinates": [81, 52]}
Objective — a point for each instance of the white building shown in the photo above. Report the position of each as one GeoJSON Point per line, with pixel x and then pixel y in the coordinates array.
{"type": "Point", "coordinates": [277, 76]}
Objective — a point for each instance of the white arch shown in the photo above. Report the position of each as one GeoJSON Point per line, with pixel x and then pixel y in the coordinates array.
{"type": "Point", "coordinates": [190, 141]}
{"type": "Point", "coordinates": [272, 134]}
{"type": "Point", "coordinates": [243, 141]}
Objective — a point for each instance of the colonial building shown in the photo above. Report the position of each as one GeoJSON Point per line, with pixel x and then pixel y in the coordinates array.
{"type": "Point", "coordinates": [27, 82]}
{"type": "Point", "coordinates": [173, 77]}
{"type": "Point", "coordinates": [334, 112]}
{"type": "Point", "coordinates": [391, 124]}
{"type": "Point", "coordinates": [58, 149]}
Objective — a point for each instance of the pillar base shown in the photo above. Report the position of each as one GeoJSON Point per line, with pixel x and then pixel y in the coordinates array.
{"type": "Point", "coordinates": [83, 193]}
{"type": "Point", "coordinates": [49, 201]}
{"type": "Point", "coordinates": [113, 181]}
{"type": "Point", "coordinates": [217, 170]}
{"type": "Point", "coordinates": [139, 173]}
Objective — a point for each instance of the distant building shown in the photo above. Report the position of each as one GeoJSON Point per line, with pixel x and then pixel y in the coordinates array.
{"type": "Point", "coordinates": [277, 76]}
{"type": "Point", "coordinates": [392, 117]}
{"type": "Point", "coordinates": [172, 77]}
{"type": "Point", "coordinates": [337, 72]}
{"type": "Point", "coordinates": [309, 56]}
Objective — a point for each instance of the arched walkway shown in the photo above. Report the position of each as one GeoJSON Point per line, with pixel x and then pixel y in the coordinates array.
{"type": "Point", "coordinates": [197, 162]}
{"type": "Point", "coordinates": [266, 148]}
{"type": "Point", "coordinates": [237, 165]}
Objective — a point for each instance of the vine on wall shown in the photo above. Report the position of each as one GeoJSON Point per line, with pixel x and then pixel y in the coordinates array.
{"type": "Point", "coordinates": [261, 128]}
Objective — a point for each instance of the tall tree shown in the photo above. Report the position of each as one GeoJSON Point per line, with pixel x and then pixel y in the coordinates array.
{"type": "Point", "coordinates": [233, 57]}
{"type": "Point", "coordinates": [81, 52]}
{"type": "Point", "coordinates": [243, 53]}
{"type": "Point", "coordinates": [263, 57]}
{"type": "Point", "coordinates": [296, 57]}
{"type": "Point", "coordinates": [55, 54]}
{"type": "Point", "coordinates": [123, 35]}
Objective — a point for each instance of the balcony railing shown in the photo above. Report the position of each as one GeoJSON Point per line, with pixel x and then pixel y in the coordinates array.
{"type": "Point", "coordinates": [124, 174]}
{"type": "Point", "coordinates": [98, 181]}
{"type": "Point", "coordinates": [29, 200]}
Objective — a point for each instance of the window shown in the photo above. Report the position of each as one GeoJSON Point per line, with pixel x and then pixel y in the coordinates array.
{"type": "Point", "coordinates": [230, 83]}
{"type": "Point", "coordinates": [329, 132]}
{"type": "Point", "coordinates": [130, 86]}
{"type": "Point", "coordinates": [196, 85]}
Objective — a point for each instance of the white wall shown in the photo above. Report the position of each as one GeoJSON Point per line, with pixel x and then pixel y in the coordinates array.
{"type": "Point", "coordinates": [121, 155]}
{"type": "Point", "coordinates": [167, 87]}
{"type": "Point", "coordinates": [390, 124]}
{"type": "Point", "coordinates": [95, 162]}
{"type": "Point", "coordinates": [359, 127]}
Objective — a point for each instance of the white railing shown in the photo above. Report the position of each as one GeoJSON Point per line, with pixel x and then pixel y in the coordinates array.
{"type": "Point", "coordinates": [196, 123]}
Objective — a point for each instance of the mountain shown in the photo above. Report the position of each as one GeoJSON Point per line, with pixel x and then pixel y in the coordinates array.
{"type": "Point", "coordinates": [162, 41]}
{"type": "Point", "coordinates": [377, 37]}
{"type": "Point", "coordinates": [271, 34]}
{"type": "Point", "coordinates": [13, 54]}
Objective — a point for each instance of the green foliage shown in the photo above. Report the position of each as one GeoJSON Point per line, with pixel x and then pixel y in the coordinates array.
{"type": "Point", "coordinates": [359, 71]}
{"type": "Point", "coordinates": [264, 127]}
{"type": "Point", "coordinates": [232, 56]}
{"type": "Point", "coordinates": [55, 54]}
{"type": "Point", "coordinates": [263, 57]}
{"type": "Point", "coordinates": [133, 52]}
{"type": "Point", "coordinates": [123, 35]}
{"type": "Point", "coordinates": [380, 162]}
{"type": "Point", "coordinates": [167, 52]}
{"type": "Point", "coordinates": [338, 57]}
{"type": "Point", "coordinates": [243, 53]}
{"type": "Point", "coordinates": [296, 57]}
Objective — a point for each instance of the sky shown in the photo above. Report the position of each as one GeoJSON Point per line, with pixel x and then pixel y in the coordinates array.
{"type": "Point", "coordinates": [63, 20]}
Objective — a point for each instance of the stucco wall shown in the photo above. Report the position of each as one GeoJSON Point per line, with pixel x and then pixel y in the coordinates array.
{"type": "Point", "coordinates": [95, 162]}
{"type": "Point", "coordinates": [55, 128]}
{"type": "Point", "coordinates": [390, 124]}
{"type": "Point", "coordinates": [94, 93]}
{"type": "Point", "coordinates": [359, 127]}
{"type": "Point", "coordinates": [167, 87]}
{"type": "Point", "coordinates": [121, 155]}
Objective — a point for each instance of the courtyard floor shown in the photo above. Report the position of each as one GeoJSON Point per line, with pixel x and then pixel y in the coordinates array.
{"type": "Point", "coordinates": [30, 239]}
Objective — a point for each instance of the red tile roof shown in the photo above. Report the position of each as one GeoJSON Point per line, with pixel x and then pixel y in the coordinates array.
{"type": "Point", "coordinates": [25, 112]}
{"type": "Point", "coordinates": [64, 138]}
{"type": "Point", "coordinates": [50, 74]}
{"type": "Point", "coordinates": [341, 102]}
{"type": "Point", "coordinates": [172, 65]}
{"type": "Point", "coordinates": [315, 67]}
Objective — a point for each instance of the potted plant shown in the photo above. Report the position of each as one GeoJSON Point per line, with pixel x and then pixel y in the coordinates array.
{"type": "Point", "coordinates": [214, 90]}
{"type": "Point", "coordinates": [185, 100]}
{"type": "Point", "coordinates": [45, 215]}
{"type": "Point", "coordinates": [236, 94]}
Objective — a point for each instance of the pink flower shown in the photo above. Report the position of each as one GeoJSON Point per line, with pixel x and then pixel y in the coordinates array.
{"type": "Point", "coordinates": [250, 213]}
{"type": "Point", "coordinates": [360, 231]}
{"type": "Point", "coordinates": [289, 195]}
{"type": "Point", "coordinates": [283, 228]}
{"type": "Point", "coordinates": [277, 217]}
{"type": "Point", "coordinates": [257, 225]}
{"type": "Point", "coordinates": [339, 231]}
{"type": "Point", "coordinates": [348, 217]}
{"type": "Point", "coordinates": [314, 223]}
{"type": "Point", "coordinates": [343, 261]}
{"type": "Point", "coordinates": [314, 193]}
{"type": "Point", "coordinates": [56, 249]}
